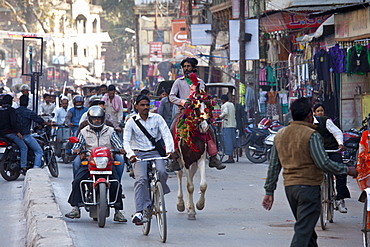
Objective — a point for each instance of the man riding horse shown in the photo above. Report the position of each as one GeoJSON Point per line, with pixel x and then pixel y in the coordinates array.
{"type": "Point", "coordinates": [182, 88]}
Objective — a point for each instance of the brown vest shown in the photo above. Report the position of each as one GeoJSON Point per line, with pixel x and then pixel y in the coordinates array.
{"type": "Point", "coordinates": [292, 145]}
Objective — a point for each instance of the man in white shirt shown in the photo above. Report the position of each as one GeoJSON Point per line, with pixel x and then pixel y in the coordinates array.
{"type": "Point", "coordinates": [228, 127]}
{"type": "Point", "coordinates": [46, 107]}
{"type": "Point", "coordinates": [137, 144]}
{"type": "Point", "coordinates": [61, 112]}
{"type": "Point", "coordinates": [25, 90]}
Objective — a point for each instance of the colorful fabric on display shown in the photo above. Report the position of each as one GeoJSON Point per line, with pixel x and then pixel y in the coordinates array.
{"type": "Point", "coordinates": [358, 60]}
{"type": "Point", "coordinates": [262, 76]}
{"type": "Point", "coordinates": [338, 58]}
{"type": "Point", "coordinates": [271, 77]}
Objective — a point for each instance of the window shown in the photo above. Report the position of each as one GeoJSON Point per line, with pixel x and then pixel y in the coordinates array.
{"type": "Point", "coordinates": [75, 47]}
{"type": "Point", "coordinates": [94, 26]}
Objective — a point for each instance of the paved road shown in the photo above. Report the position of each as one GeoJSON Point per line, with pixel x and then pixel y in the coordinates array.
{"type": "Point", "coordinates": [13, 224]}
{"type": "Point", "coordinates": [233, 215]}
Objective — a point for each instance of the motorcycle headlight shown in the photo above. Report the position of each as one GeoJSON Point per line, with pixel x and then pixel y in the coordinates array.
{"type": "Point", "coordinates": [101, 162]}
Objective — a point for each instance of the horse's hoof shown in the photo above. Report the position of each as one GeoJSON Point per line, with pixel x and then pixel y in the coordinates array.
{"type": "Point", "coordinates": [191, 217]}
{"type": "Point", "coordinates": [200, 206]}
{"type": "Point", "coordinates": [181, 207]}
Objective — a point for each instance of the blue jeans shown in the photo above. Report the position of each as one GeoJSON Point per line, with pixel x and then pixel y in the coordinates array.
{"type": "Point", "coordinates": [119, 169]}
{"type": "Point", "coordinates": [22, 147]}
{"type": "Point", "coordinates": [35, 146]}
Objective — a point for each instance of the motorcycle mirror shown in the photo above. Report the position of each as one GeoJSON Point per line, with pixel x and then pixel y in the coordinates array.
{"type": "Point", "coordinates": [73, 139]}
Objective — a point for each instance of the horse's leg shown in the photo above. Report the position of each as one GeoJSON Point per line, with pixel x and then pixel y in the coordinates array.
{"type": "Point", "coordinates": [203, 182]}
{"type": "Point", "coordinates": [190, 187]}
{"type": "Point", "coordinates": [180, 197]}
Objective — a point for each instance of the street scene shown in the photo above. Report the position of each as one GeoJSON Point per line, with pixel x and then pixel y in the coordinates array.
{"type": "Point", "coordinates": [178, 122]}
{"type": "Point", "coordinates": [233, 215]}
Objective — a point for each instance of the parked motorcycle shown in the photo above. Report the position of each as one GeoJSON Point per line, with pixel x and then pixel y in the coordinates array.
{"type": "Point", "coordinates": [260, 140]}
{"type": "Point", "coordinates": [10, 156]}
{"type": "Point", "coordinates": [351, 140]}
{"type": "Point", "coordinates": [96, 190]}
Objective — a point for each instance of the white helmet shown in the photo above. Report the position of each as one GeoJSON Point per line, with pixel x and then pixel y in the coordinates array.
{"type": "Point", "coordinates": [24, 87]}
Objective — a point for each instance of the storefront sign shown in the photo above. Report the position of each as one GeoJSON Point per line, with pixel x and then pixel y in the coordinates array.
{"type": "Point", "coordinates": [352, 24]}
{"type": "Point", "coordinates": [287, 20]}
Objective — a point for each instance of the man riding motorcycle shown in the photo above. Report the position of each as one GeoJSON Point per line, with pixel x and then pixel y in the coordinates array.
{"type": "Point", "coordinates": [96, 134]}
{"type": "Point", "coordinates": [75, 113]}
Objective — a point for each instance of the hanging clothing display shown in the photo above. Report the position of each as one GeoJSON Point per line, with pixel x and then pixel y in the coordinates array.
{"type": "Point", "coordinates": [271, 103]}
{"type": "Point", "coordinates": [338, 58]}
{"type": "Point", "coordinates": [271, 77]}
{"type": "Point", "coordinates": [284, 102]}
{"type": "Point", "coordinates": [272, 53]}
{"type": "Point", "coordinates": [284, 47]}
{"type": "Point", "coordinates": [358, 60]}
{"type": "Point", "coordinates": [262, 76]}
{"type": "Point", "coordinates": [262, 103]}
{"type": "Point", "coordinates": [322, 63]}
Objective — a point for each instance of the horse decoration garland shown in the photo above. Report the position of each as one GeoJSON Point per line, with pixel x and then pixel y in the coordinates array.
{"type": "Point", "coordinates": [186, 128]}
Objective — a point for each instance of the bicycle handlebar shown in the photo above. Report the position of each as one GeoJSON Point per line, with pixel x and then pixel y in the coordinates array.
{"type": "Point", "coordinates": [155, 158]}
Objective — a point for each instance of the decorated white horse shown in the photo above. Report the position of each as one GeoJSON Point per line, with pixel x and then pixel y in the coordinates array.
{"type": "Point", "coordinates": [192, 137]}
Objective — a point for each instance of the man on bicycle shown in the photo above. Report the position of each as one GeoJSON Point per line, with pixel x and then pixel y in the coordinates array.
{"type": "Point", "coordinates": [299, 150]}
{"type": "Point", "coordinates": [138, 145]}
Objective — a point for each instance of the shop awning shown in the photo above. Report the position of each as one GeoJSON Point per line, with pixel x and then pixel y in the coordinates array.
{"type": "Point", "coordinates": [319, 31]}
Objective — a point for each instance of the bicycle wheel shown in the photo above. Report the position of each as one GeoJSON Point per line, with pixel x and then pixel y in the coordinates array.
{"type": "Point", "coordinates": [331, 198]}
{"type": "Point", "coordinates": [324, 204]}
{"type": "Point", "coordinates": [160, 211]}
{"type": "Point", "coordinates": [148, 213]}
{"type": "Point", "coordinates": [366, 226]}
{"type": "Point", "coordinates": [220, 148]}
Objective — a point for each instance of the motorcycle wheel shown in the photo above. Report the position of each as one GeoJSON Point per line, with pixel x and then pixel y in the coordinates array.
{"type": "Point", "coordinates": [9, 171]}
{"type": "Point", "coordinates": [53, 166]}
{"type": "Point", "coordinates": [102, 204]}
{"type": "Point", "coordinates": [253, 156]}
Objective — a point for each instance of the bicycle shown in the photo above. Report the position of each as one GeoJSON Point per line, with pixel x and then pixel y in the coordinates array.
{"type": "Point", "coordinates": [157, 206]}
{"type": "Point", "coordinates": [219, 141]}
{"type": "Point", "coordinates": [327, 197]}
{"type": "Point", "coordinates": [237, 144]}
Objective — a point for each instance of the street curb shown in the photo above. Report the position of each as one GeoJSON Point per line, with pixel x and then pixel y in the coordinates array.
{"type": "Point", "coordinates": [44, 222]}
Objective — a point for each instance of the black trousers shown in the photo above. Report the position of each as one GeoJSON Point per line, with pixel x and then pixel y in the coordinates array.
{"type": "Point", "coordinates": [75, 198]}
{"type": "Point", "coordinates": [305, 204]}
{"type": "Point", "coordinates": [341, 180]}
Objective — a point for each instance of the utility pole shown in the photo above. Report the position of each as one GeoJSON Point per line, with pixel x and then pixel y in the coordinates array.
{"type": "Point", "coordinates": [241, 45]}
{"type": "Point", "coordinates": [155, 36]}
{"type": "Point", "coordinates": [256, 69]}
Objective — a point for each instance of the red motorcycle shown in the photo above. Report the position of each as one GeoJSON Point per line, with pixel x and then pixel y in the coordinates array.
{"type": "Point", "coordinates": [96, 195]}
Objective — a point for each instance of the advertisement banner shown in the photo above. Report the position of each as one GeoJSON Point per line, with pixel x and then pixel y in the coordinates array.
{"type": "Point", "coordinates": [179, 35]}
{"type": "Point", "coordinates": [289, 20]}
{"type": "Point", "coordinates": [155, 52]}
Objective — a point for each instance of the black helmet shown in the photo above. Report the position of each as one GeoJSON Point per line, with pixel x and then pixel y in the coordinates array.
{"type": "Point", "coordinates": [93, 113]}
{"type": "Point", "coordinates": [78, 98]}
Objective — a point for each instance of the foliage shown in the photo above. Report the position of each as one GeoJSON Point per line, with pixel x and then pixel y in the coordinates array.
{"type": "Point", "coordinates": [119, 15]}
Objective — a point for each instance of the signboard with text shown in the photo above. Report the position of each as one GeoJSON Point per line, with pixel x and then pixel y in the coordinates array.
{"type": "Point", "coordinates": [155, 52]}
